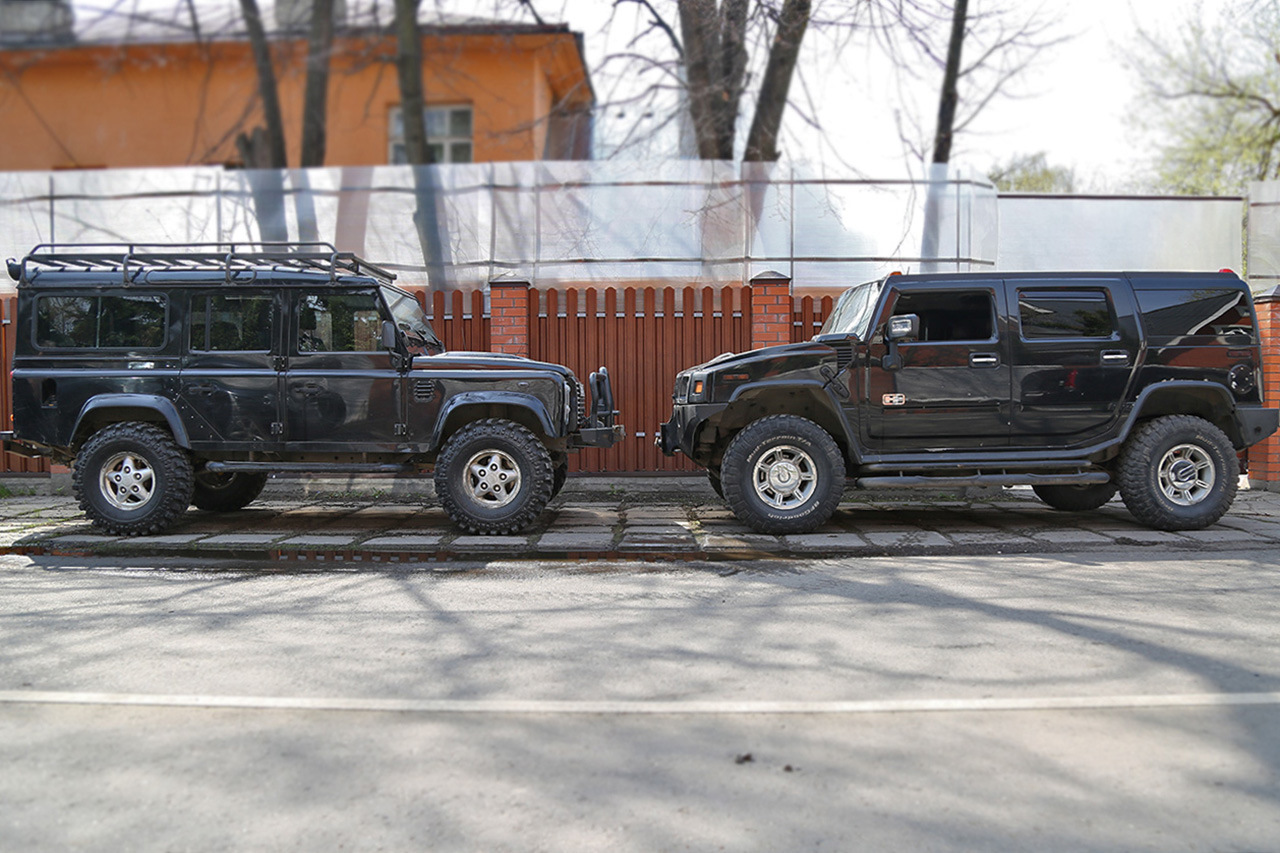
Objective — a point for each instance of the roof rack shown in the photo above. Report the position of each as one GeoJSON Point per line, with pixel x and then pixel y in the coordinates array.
{"type": "Point", "coordinates": [130, 259]}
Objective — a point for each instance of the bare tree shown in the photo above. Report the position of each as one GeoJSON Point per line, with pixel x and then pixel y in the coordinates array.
{"type": "Point", "coordinates": [263, 148]}
{"type": "Point", "coordinates": [316, 93]}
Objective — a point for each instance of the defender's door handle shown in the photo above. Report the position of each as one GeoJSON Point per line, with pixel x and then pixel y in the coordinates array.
{"type": "Point", "coordinates": [983, 359]}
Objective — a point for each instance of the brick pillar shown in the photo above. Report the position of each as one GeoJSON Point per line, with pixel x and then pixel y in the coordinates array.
{"type": "Point", "coordinates": [509, 316]}
{"type": "Point", "coordinates": [771, 310]}
{"type": "Point", "coordinates": [1264, 457]}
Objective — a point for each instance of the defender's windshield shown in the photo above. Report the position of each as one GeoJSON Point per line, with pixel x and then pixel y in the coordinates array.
{"type": "Point", "coordinates": [410, 320]}
{"type": "Point", "coordinates": [852, 313]}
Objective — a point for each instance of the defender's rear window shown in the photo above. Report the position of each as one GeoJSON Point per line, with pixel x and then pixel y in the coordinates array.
{"type": "Point", "coordinates": [131, 322]}
{"type": "Point", "coordinates": [1192, 316]}
{"type": "Point", "coordinates": [234, 323]}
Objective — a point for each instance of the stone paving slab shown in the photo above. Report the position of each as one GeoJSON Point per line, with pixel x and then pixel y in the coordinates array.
{"type": "Point", "coordinates": [649, 521]}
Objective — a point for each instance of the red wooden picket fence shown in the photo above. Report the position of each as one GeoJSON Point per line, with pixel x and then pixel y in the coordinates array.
{"type": "Point", "coordinates": [644, 335]}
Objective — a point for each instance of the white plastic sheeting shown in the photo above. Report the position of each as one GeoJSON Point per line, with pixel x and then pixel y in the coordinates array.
{"type": "Point", "coordinates": [1264, 236]}
{"type": "Point", "coordinates": [679, 221]}
{"type": "Point", "coordinates": [1048, 232]}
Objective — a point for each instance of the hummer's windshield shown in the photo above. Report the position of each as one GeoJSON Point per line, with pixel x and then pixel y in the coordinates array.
{"type": "Point", "coordinates": [852, 313]}
{"type": "Point", "coordinates": [410, 320]}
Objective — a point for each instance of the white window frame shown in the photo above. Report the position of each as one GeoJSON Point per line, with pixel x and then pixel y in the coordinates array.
{"type": "Point", "coordinates": [444, 143]}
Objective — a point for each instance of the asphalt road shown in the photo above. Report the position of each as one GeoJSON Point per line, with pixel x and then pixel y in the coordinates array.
{"type": "Point", "coordinates": [1123, 700]}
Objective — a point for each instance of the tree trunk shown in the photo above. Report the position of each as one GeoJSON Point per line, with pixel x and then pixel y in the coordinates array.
{"type": "Point", "coordinates": [762, 141]}
{"type": "Point", "coordinates": [715, 62]}
{"type": "Point", "coordinates": [315, 97]}
{"type": "Point", "coordinates": [409, 72]}
{"type": "Point", "coordinates": [938, 172]}
{"type": "Point", "coordinates": [274, 155]}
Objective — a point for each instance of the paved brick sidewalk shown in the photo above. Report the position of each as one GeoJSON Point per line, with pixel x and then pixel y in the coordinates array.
{"type": "Point", "coordinates": [658, 518]}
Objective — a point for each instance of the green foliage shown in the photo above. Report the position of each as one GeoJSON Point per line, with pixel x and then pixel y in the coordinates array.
{"type": "Point", "coordinates": [1212, 100]}
{"type": "Point", "coordinates": [1031, 173]}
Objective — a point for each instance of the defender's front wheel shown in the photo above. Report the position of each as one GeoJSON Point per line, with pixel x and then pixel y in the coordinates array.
{"type": "Point", "coordinates": [783, 474]}
{"type": "Point", "coordinates": [494, 476]}
{"type": "Point", "coordinates": [132, 479]}
{"type": "Point", "coordinates": [1178, 472]}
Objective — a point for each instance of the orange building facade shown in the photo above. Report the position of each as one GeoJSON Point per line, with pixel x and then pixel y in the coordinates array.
{"type": "Point", "coordinates": [494, 93]}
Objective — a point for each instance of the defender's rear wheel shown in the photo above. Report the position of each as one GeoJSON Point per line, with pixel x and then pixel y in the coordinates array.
{"type": "Point", "coordinates": [132, 479]}
{"type": "Point", "coordinates": [783, 474]}
{"type": "Point", "coordinates": [1178, 473]}
{"type": "Point", "coordinates": [494, 476]}
{"type": "Point", "coordinates": [1076, 498]}
{"type": "Point", "coordinates": [218, 492]}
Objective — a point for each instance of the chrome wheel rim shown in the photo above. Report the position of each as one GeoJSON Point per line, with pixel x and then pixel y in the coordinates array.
{"type": "Point", "coordinates": [785, 477]}
{"type": "Point", "coordinates": [1186, 475]}
{"type": "Point", "coordinates": [127, 481]}
{"type": "Point", "coordinates": [493, 478]}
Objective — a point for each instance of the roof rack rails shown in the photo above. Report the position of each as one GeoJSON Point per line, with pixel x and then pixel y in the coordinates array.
{"type": "Point", "coordinates": [230, 258]}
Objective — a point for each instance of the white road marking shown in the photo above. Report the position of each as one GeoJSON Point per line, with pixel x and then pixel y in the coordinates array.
{"type": "Point", "coordinates": [635, 707]}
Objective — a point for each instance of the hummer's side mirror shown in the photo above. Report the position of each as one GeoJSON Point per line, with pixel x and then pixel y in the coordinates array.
{"type": "Point", "coordinates": [903, 327]}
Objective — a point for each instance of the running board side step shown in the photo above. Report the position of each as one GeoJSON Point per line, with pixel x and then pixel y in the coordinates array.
{"type": "Point", "coordinates": [310, 467]}
{"type": "Point", "coordinates": [916, 481]}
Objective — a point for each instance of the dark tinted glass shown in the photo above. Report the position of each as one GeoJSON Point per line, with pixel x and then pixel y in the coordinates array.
{"type": "Point", "coordinates": [232, 323]}
{"type": "Point", "coordinates": [950, 315]}
{"type": "Point", "coordinates": [116, 322]}
{"type": "Point", "coordinates": [339, 322]}
{"type": "Point", "coordinates": [1065, 314]}
{"type": "Point", "coordinates": [1213, 313]}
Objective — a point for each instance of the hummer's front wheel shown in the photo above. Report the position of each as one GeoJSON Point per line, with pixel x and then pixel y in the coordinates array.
{"type": "Point", "coordinates": [132, 479]}
{"type": "Point", "coordinates": [783, 474]}
{"type": "Point", "coordinates": [494, 476]}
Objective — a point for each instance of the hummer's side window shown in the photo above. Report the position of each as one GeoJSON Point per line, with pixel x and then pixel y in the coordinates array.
{"type": "Point", "coordinates": [235, 323]}
{"type": "Point", "coordinates": [959, 315]}
{"type": "Point", "coordinates": [1065, 314]}
{"type": "Point", "coordinates": [106, 322]}
{"type": "Point", "coordinates": [339, 322]}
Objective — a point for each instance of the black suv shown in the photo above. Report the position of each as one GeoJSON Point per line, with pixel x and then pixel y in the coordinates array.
{"type": "Point", "coordinates": [1076, 384]}
{"type": "Point", "coordinates": [185, 375]}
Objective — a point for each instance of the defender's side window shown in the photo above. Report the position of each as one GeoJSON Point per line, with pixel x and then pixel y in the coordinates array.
{"type": "Point", "coordinates": [235, 323]}
{"type": "Point", "coordinates": [962, 315]}
{"type": "Point", "coordinates": [1065, 314]}
{"type": "Point", "coordinates": [108, 322]}
{"type": "Point", "coordinates": [339, 322]}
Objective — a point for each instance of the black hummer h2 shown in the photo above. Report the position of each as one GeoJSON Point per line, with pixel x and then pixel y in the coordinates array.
{"type": "Point", "coordinates": [1076, 384]}
{"type": "Point", "coordinates": [182, 376]}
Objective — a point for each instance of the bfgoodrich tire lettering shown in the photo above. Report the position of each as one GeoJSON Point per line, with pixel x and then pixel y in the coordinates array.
{"type": "Point", "coordinates": [218, 492]}
{"type": "Point", "coordinates": [494, 476]}
{"type": "Point", "coordinates": [132, 479]}
{"type": "Point", "coordinates": [782, 474]}
{"type": "Point", "coordinates": [1178, 473]}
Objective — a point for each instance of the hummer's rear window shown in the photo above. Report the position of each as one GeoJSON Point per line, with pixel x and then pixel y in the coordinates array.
{"type": "Point", "coordinates": [1182, 316]}
{"type": "Point", "coordinates": [100, 322]}
{"type": "Point", "coordinates": [1065, 314]}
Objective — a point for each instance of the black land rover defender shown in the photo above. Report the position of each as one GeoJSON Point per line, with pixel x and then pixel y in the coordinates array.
{"type": "Point", "coordinates": [185, 375]}
{"type": "Point", "coordinates": [1076, 384]}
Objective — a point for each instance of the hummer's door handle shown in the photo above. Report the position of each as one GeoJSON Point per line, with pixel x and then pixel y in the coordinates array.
{"type": "Point", "coordinates": [1115, 356]}
{"type": "Point", "coordinates": [983, 359]}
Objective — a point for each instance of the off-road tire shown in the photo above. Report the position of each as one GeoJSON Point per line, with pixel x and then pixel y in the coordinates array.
{"type": "Point", "coordinates": [1156, 472]}
{"type": "Point", "coordinates": [773, 454]}
{"type": "Point", "coordinates": [218, 492]}
{"type": "Point", "coordinates": [717, 486]}
{"type": "Point", "coordinates": [478, 506]}
{"type": "Point", "coordinates": [1076, 498]}
{"type": "Point", "coordinates": [558, 478]}
{"type": "Point", "coordinates": [132, 479]}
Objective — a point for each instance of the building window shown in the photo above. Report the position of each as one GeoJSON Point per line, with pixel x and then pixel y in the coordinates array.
{"type": "Point", "coordinates": [448, 135]}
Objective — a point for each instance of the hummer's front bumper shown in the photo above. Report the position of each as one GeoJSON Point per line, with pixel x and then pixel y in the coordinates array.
{"type": "Point", "coordinates": [679, 434]}
{"type": "Point", "coordinates": [599, 429]}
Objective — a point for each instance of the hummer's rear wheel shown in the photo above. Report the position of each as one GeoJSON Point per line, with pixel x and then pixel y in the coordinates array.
{"type": "Point", "coordinates": [1076, 498]}
{"type": "Point", "coordinates": [132, 479]}
{"type": "Point", "coordinates": [783, 474]}
{"type": "Point", "coordinates": [494, 476]}
{"type": "Point", "coordinates": [1178, 472]}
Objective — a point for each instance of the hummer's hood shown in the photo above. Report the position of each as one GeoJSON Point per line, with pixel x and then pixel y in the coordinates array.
{"type": "Point", "coordinates": [730, 359]}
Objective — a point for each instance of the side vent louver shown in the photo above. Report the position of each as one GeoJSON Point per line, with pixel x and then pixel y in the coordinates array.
{"type": "Point", "coordinates": [424, 391]}
{"type": "Point", "coordinates": [844, 355]}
